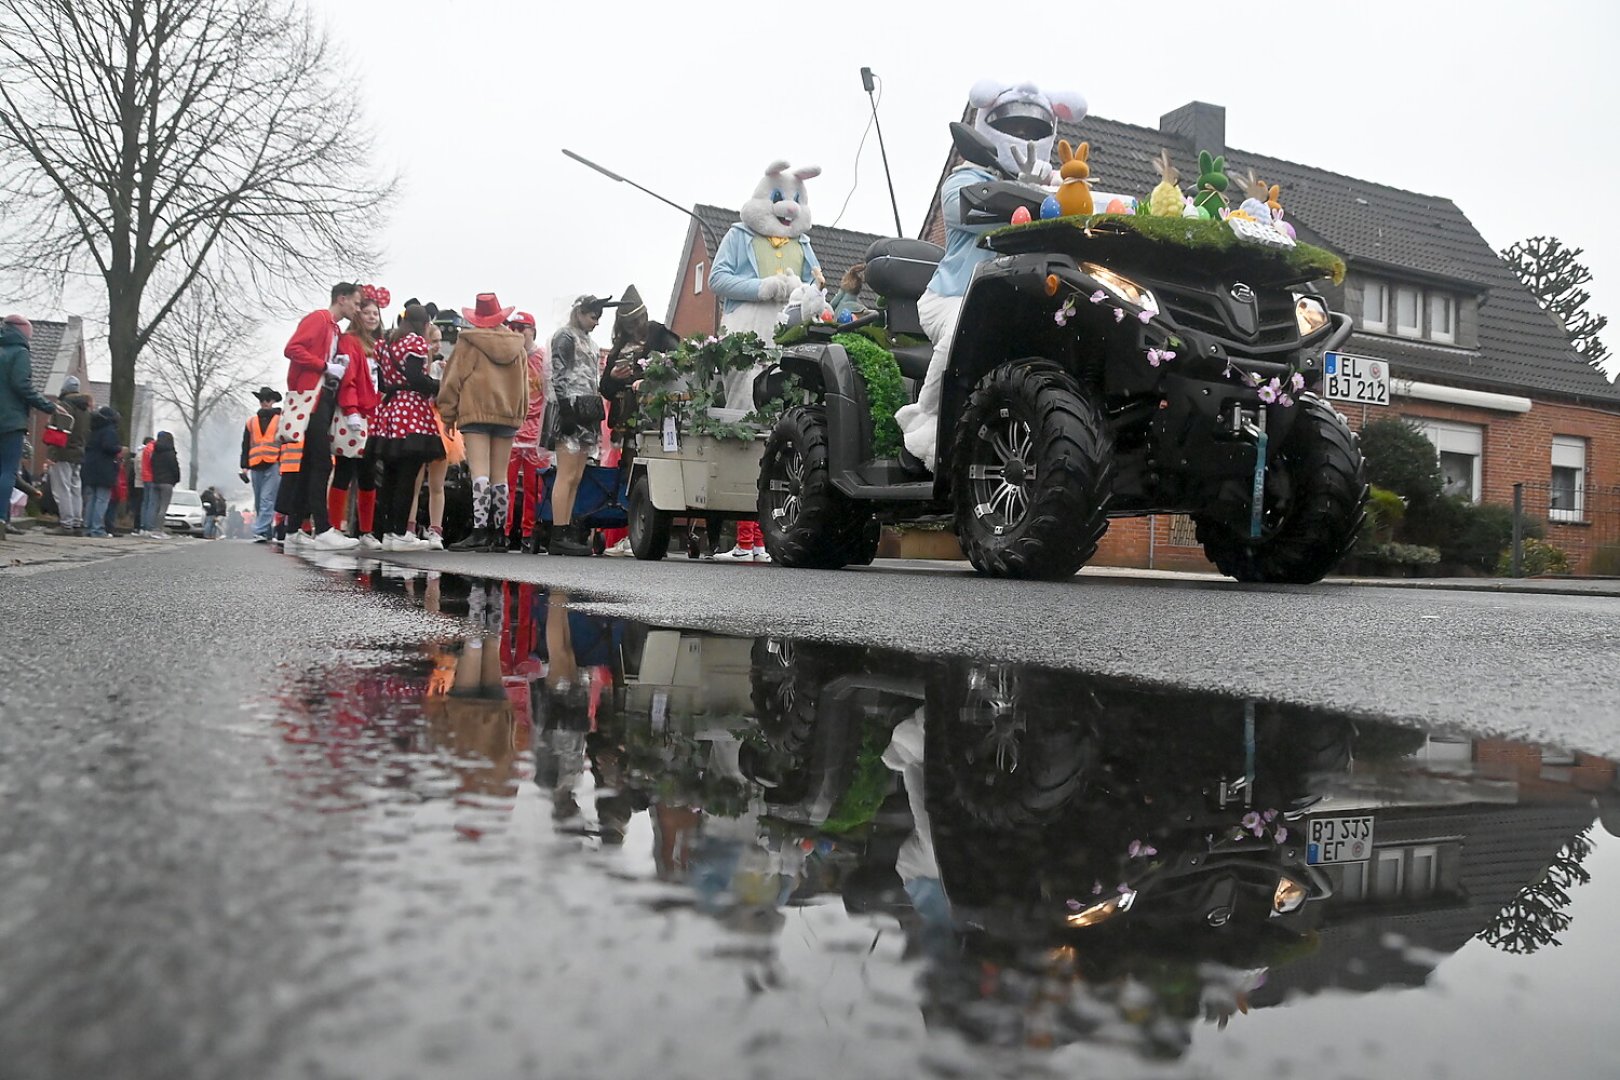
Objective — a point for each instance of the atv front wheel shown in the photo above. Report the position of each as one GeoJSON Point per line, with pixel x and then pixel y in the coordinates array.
{"type": "Point", "coordinates": [1311, 516]}
{"type": "Point", "coordinates": [1031, 473]}
{"type": "Point", "coordinates": [807, 521]}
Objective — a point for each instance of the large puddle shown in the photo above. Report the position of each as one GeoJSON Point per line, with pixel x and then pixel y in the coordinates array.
{"type": "Point", "coordinates": [619, 850]}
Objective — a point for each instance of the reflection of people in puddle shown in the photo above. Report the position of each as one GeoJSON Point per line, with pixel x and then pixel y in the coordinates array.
{"type": "Point", "coordinates": [474, 721]}
{"type": "Point", "coordinates": [916, 865]}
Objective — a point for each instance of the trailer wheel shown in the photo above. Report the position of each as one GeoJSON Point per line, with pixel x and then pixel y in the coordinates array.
{"type": "Point", "coordinates": [1031, 473]}
{"type": "Point", "coordinates": [649, 526]}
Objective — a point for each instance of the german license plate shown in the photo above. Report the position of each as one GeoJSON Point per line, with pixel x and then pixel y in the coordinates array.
{"type": "Point", "coordinates": [1339, 839]}
{"type": "Point", "coordinates": [1360, 379]}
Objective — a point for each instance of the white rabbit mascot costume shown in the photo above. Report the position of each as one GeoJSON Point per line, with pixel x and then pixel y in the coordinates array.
{"type": "Point", "coordinates": [1021, 122]}
{"type": "Point", "coordinates": [762, 260]}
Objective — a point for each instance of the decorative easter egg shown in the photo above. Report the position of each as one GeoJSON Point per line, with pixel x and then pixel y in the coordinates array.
{"type": "Point", "coordinates": [826, 316]}
{"type": "Point", "coordinates": [846, 316]}
{"type": "Point", "coordinates": [1116, 206]}
{"type": "Point", "coordinates": [1050, 207]}
{"type": "Point", "coordinates": [1021, 215]}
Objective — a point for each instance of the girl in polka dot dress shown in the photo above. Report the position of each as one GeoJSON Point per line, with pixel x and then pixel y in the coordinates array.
{"type": "Point", "coordinates": [405, 434]}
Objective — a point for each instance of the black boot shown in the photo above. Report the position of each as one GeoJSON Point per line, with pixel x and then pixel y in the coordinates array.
{"type": "Point", "coordinates": [533, 544]}
{"type": "Point", "coordinates": [477, 540]}
{"type": "Point", "coordinates": [565, 541]}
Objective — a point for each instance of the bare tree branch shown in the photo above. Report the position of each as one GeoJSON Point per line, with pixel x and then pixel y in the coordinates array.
{"type": "Point", "coordinates": [153, 139]}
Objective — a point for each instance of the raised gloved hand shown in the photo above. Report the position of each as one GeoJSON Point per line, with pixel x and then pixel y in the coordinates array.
{"type": "Point", "coordinates": [337, 367]}
{"type": "Point", "coordinates": [1032, 168]}
{"type": "Point", "coordinates": [777, 287]}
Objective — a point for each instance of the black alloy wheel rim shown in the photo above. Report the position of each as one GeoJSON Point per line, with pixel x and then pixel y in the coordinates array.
{"type": "Point", "coordinates": [1002, 471]}
{"type": "Point", "coordinates": [787, 487]}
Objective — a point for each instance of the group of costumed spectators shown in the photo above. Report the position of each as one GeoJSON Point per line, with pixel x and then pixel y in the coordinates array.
{"type": "Point", "coordinates": [382, 412]}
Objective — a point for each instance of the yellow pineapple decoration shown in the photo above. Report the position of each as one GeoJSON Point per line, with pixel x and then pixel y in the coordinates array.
{"type": "Point", "coordinates": [1166, 198]}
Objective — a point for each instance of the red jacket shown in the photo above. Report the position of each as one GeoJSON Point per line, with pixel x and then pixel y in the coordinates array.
{"type": "Point", "coordinates": [146, 463]}
{"type": "Point", "coordinates": [309, 349]}
{"type": "Point", "coordinates": [357, 392]}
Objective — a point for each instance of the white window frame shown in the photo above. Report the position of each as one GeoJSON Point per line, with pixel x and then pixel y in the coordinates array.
{"type": "Point", "coordinates": [697, 278]}
{"type": "Point", "coordinates": [1416, 329]}
{"type": "Point", "coordinates": [1450, 437]}
{"type": "Point", "coordinates": [1447, 304]}
{"type": "Point", "coordinates": [1569, 452]}
{"type": "Point", "coordinates": [1378, 288]}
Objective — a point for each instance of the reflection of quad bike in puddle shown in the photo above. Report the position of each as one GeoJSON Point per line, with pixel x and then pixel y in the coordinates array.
{"type": "Point", "coordinates": [1059, 412]}
{"type": "Point", "coordinates": [1153, 831]}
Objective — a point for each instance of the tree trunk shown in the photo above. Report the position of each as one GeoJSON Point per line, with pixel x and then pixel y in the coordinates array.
{"type": "Point", "coordinates": [123, 328]}
{"type": "Point", "coordinates": [191, 467]}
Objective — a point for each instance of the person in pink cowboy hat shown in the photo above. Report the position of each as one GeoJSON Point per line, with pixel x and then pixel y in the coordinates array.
{"type": "Point", "coordinates": [485, 395]}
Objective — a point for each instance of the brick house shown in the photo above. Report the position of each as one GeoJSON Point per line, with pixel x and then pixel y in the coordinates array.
{"type": "Point", "coordinates": [1474, 360]}
{"type": "Point", "coordinates": [694, 309]}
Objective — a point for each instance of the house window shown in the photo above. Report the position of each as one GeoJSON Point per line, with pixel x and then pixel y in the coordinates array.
{"type": "Point", "coordinates": [697, 280]}
{"type": "Point", "coordinates": [1408, 304]}
{"type": "Point", "coordinates": [1388, 873]}
{"type": "Point", "coordinates": [1566, 496]}
{"type": "Point", "coordinates": [1461, 448]}
{"type": "Point", "coordinates": [1375, 307]}
{"type": "Point", "coordinates": [1442, 318]}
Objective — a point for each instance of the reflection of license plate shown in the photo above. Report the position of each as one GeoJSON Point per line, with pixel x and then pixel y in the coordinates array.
{"type": "Point", "coordinates": [1339, 839]}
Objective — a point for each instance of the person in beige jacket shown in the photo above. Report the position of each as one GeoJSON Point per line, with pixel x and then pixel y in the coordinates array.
{"type": "Point", "coordinates": [485, 395]}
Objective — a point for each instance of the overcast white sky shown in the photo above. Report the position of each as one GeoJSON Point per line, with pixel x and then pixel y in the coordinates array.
{"type": "Point", "coordinates": [1505, 109]}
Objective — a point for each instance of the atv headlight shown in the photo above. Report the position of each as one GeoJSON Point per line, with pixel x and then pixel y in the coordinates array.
{"type": "Point", "coordinates": [1289, 896]}
{"type": "Point", "coordinates": [1100, 913]}
{"type": "Point", "coordinates": [1311, 312]}
{"type": "Point", "coordinates": [1122, 287]}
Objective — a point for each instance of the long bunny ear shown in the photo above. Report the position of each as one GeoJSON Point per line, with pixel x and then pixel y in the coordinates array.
{"type": "Point", "coordinates": [807, 172]}
{"type": "Point", "coordinates": [776, 168]}
{"type": "Point", "coordinates": [1083, 151]}
{"type": "Point", "coordinates": [984, 92]}
{"type": "Point", "coordinates": [1065, 151]}
{"type": "Point", "coordinates": [1067, 105]}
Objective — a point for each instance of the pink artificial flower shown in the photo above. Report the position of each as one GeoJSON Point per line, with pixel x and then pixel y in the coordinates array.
{"type": "Point", "coordinates": [1072, 905]}
{"type": "Point", "coordinates": [1296, 382]}
{"type": "Point", "coordinates": [1141, 849]}
{"type": "Point", "coordinates": [1146, 315]}
{"type": "Point", "coordinates": [1155, 357]}
{"type": "Point", "coordinates": [1119, 314]}
{"type": "Point", "coordinates": [1251, 821]}
{"type": "Point", "coordinates": [1167, 354]}
{"type": "Point", "coordinates": [1269, 816]}
{"type": "Point", "coordinates": [1096, 889]}
{"type": "Point", "coordinates": [1284, 400]}
{"type": "Point", "coordinates": [1280, 835]}
{"type": "Point", "coordinates": [1123, 888]}
{"type": "Point", "coordinates": [1268, 392]}
{"type": "Point", "coordinates": [1098, 297]}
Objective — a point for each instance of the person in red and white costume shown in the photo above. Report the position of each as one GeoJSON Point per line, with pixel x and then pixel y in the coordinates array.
{"type": "Point", "coordinates": [529, 459]}
{"type": "Point", "coordinates": [358, 399]}
{"type": "Point", "coordinates": [315, 369]}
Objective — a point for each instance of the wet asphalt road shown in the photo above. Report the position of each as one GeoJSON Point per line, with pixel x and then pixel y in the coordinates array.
{"type": "Point", "coordinates": [167, 909]}
{"type": "Point", "coordinates": [1540, 667]}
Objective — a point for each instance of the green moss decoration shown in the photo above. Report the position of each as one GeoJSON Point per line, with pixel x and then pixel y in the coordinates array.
{"type": "Point", "coordinates": [885, 389]}
{"type": "Point", "coordinates": [868, 787]}
{"type": "Point", "coordinates": [1194, 234]}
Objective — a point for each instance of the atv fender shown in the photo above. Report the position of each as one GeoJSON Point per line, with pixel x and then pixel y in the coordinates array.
{"type": "Point", "coordinates": [826, 368]}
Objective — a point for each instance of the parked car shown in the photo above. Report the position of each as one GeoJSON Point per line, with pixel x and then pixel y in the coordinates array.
{"type": "Point", "coordinates": [185, 512]}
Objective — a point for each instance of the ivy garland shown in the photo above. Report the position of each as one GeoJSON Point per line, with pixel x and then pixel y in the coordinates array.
{"type": "Point", "coordinates": [685, 384]}
{"type": "Point", "coordinates": [869, 351]}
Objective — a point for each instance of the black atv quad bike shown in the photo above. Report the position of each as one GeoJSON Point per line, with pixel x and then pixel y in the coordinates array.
{"type": "Point", "coordinates": [1059, 411]}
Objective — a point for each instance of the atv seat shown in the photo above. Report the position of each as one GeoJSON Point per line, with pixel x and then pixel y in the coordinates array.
{"type": "Point", "coordinates": [899, 271]}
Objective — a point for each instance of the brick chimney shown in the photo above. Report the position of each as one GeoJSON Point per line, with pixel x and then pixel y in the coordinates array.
{"type": "Point", "coordinates": [1203, 124]}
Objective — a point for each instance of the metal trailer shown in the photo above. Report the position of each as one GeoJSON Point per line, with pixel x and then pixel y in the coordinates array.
{"type": "Point", "coordinates": [698, 477]}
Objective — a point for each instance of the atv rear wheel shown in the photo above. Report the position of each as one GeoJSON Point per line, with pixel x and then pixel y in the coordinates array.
{"type": "Point", "coordinates": [1031, 473]}
{"type": "Point", "coordinates": [807, 521]}
{"type": "Point", "coordinates": [1313, 521]}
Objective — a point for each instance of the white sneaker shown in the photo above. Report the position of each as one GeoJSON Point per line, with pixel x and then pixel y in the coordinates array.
{"type": "Point", "coordinates": [404, 543]}
{"type": "Point", "coordinates": [334, 540]}
{"type": "Point", "coordinates": [370, 543]}
{"type": "Point", "coordinates": [737, 554]}
{"type": "Point", "coordinates": [435, 542]}
{"type": "Point", "coordinates": [296, 538]}
{"type": "Point", "coordinates": [620, 550]}
{"type": "Point", "coordinates": [761, 555]}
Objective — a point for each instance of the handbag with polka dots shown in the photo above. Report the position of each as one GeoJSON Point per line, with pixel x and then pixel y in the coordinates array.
{"type": "Point", "coordinates": [349, 442]}
{"type": "Point", "coordinates": [296, 410]}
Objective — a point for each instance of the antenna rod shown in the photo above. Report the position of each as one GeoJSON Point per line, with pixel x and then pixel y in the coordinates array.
{"type": "Point", "coordinates": [708, 237]}
{"type": "Point", "coordinates": [867, 81]}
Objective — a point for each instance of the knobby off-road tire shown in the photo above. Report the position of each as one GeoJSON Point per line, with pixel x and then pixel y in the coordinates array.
{"type": "Point", "coordinates": [1031, 473]}
{"type": "Point", "coordinates": [1306, 535]}
{"type": "Point", "coordinates": [649, 526]}
{"type": "Point", "coordinates": [807, 521]}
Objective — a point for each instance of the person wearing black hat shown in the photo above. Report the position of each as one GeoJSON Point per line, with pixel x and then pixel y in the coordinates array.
{"type": "Point", "coordinates": [576, 401]}
{"type": "Point", "coordinates": [261, 461]}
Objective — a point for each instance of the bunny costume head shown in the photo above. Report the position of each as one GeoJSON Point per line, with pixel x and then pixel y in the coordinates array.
{"type": "Point", "coordinates": [780, 206]}
{"type": "Point", "coordinates": [1015, 116]}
